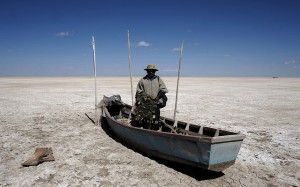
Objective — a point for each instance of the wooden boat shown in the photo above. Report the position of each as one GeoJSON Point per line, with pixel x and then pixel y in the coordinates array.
{"type": "Point", "coordinates": [194, 145]}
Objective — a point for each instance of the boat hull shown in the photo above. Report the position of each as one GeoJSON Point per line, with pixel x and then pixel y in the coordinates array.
{"type": "Point", "coordinates": [210, 153]}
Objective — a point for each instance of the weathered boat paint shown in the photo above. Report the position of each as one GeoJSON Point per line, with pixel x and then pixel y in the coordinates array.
{"type": "Point", "coordinates": [212, 153]}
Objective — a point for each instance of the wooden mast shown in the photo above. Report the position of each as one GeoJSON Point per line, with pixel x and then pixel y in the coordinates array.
{"type": "Point", "coordinates": [95, 76]}
{"type": "Point", "coordinates": [178, 77]}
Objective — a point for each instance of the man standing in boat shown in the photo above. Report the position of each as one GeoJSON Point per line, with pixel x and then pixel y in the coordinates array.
{"type": "Point", "coordinates": [153, 87]}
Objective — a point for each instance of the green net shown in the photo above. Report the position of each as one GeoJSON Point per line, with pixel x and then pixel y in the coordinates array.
{"type": "Point", "coordinates": [145, 109]}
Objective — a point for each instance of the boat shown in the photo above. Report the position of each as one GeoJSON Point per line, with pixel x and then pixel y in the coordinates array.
{"type": "Point", "coordinates": [194, 145]}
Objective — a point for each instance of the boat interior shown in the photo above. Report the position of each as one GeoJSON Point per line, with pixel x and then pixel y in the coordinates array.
{"type": "Point", "coordinates": [124, 115]}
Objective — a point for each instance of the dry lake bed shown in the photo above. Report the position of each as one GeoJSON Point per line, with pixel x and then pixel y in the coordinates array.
{"type": "Point", "coordinates": [52, 112]}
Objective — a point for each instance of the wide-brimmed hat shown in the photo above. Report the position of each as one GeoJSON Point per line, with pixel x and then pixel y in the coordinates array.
{"type": "Point", "coordinates": [151, 67]}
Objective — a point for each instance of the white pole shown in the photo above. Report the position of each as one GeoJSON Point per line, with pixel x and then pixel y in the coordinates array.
{"type": "Point", "coordinates": [180, 59]}
{"type": "Point", "coordinates": [94, 60]}
{"type": "Point", "coordinates": [129, 62]}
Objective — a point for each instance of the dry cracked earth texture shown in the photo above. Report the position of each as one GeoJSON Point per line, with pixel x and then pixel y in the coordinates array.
{"type": "Point", "coordinates": [54, 112]}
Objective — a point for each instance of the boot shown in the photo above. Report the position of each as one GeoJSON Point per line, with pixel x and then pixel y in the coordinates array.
{"type": "Point", "coordinates": [48, 157]}
{"type": "Point", "coordinates": [40, 155]}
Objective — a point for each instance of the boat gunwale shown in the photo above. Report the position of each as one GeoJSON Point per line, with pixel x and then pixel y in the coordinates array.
{"type": "Point", "coordinates": [212, 140]}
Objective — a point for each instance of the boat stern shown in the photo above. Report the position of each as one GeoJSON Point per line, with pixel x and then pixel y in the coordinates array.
{"type": "Point", "coordinates": [223, 154]}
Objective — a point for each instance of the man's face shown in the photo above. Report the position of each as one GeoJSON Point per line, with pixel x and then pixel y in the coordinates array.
{"type": "Point", "coordinates": [150, 73]}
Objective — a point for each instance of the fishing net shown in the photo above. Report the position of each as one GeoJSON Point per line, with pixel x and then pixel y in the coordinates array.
{"type": "Point", "coordinates": [145, 110]}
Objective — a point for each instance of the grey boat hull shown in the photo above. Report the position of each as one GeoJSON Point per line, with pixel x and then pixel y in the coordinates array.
{"type": "Point", "coordinates": [211, 153]}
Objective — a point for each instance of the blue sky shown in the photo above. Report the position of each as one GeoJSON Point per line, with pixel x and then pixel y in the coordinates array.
{"type": "Point", "coordinates": [221, 37]}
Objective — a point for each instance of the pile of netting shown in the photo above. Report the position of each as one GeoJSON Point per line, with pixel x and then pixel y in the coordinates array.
{"type": "Point", "coordinates": [145, 110]}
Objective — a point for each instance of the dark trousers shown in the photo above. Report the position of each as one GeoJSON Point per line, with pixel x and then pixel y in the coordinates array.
{"type": "Point", "coordinates": [157, 114]}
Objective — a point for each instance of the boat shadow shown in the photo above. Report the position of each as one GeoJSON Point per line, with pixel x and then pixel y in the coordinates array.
{"type": "Point", "coordinates": [197, 173]}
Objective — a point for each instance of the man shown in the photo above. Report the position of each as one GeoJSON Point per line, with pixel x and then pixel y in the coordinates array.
{"type": "Point", "coordinates": [153, 87]}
